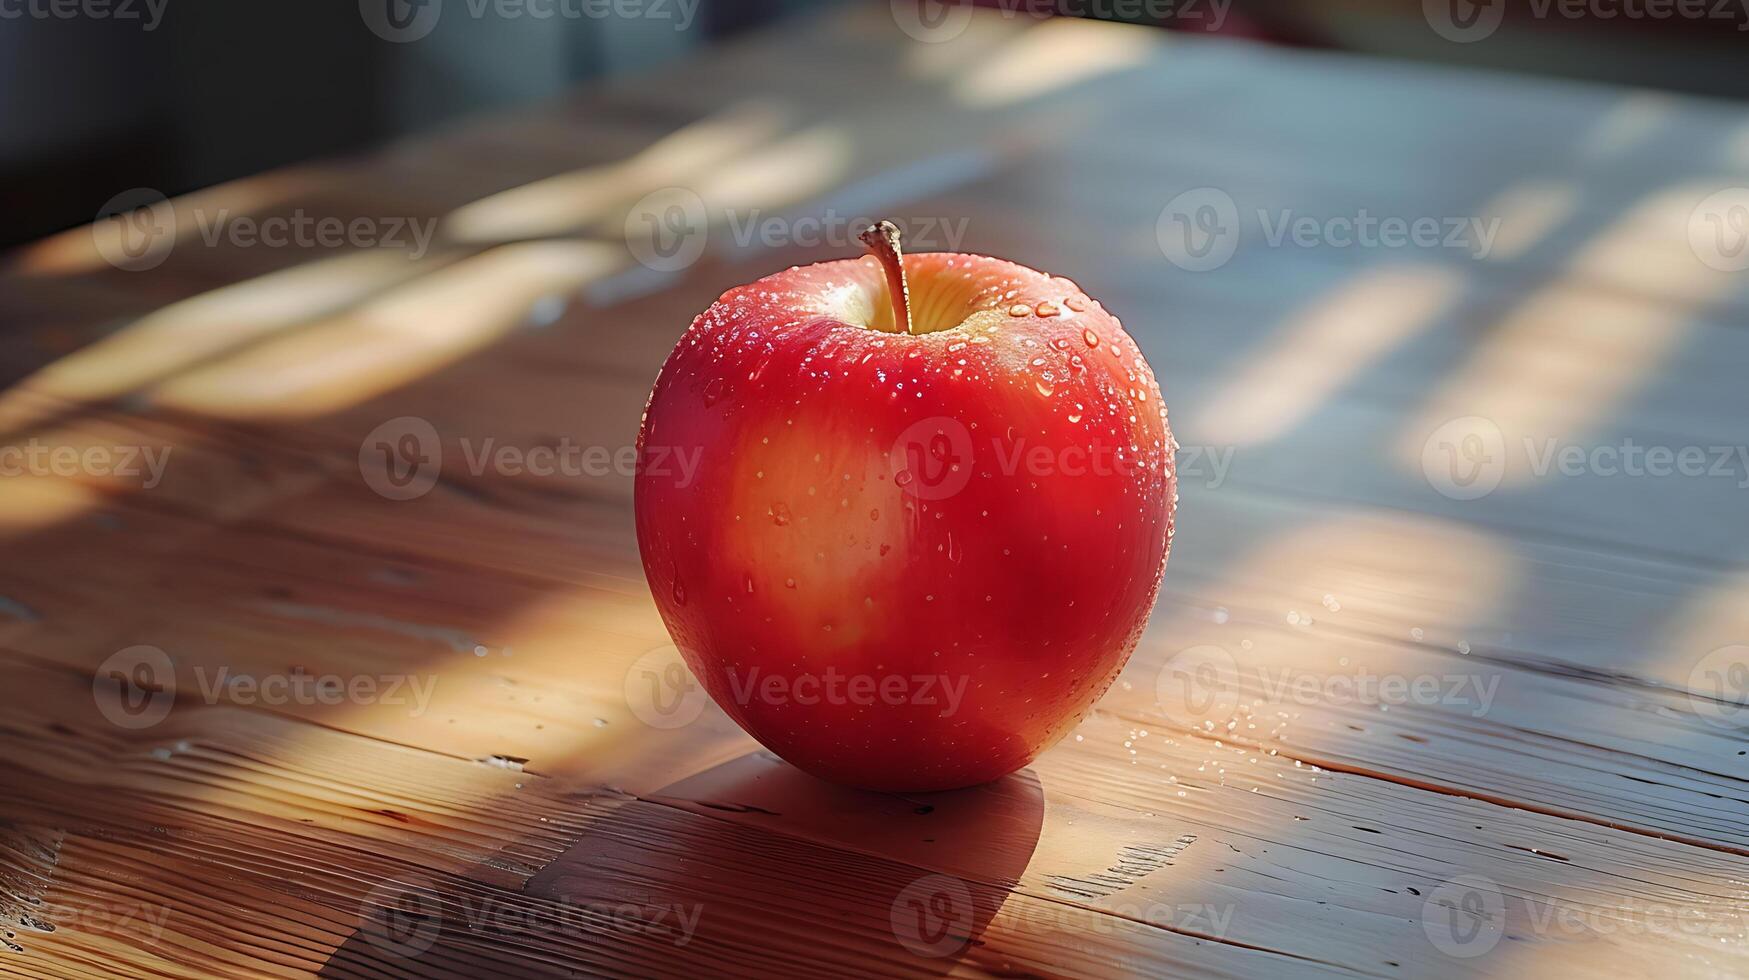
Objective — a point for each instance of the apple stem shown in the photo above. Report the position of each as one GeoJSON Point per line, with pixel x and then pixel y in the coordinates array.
{"type": "Point", "coordinates": [882, 240]}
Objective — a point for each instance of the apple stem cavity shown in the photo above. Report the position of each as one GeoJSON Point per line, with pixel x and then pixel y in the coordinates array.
{"type": "Point", "coordinates": [882, 240]}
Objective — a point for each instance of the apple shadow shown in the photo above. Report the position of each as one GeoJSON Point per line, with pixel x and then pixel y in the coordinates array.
{"type": "Point", "coordinates": [749, 868]}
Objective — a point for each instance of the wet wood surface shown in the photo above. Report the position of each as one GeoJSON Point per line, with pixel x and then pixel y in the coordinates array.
{"type": "Point", "coordinates": [261, 719]}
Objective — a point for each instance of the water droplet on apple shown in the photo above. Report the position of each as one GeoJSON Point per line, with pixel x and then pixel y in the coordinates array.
{"type": "Point", "coordinates": [1091, 338]}
{"type": "Point", "coordinates": [780, 513]}
{"type": "Point", "coordinates": [1020, 309]}
{"type": "Point", "coordinates": [713, 391]}
{"type": "Point", "coordinates": [679, 592]}
{"type": "Point", "coordinates": [1045, 387]}
{"type": "Point", "coordinates": [789, 583]}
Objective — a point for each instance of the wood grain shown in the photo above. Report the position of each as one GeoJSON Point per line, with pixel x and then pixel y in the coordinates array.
{"type": "Point", "coordinates": [405, 738]}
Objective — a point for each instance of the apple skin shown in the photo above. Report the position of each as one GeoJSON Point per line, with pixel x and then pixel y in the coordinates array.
{"type": "Point", "coordinates": [986, 507]}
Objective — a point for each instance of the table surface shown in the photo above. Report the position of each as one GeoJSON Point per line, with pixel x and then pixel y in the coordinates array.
{"type": "Point", "coordinates": [1471, 733]}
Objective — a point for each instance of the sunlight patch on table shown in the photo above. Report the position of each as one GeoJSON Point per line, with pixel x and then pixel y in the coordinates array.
{"type": "Point", "coordinates": [182, 334]}
{"type": "Point", "coordinates": [1561, 362]}
{"type": "Point", "coordinates": [572, 201]}
{"type": "Point", "coordinates": [1325, 346]}
{"type": "Point", "coordinates": [393, 340]}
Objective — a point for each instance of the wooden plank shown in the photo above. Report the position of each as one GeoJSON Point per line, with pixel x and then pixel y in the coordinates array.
{"type": "Point", "coordinates": [1601, 804]}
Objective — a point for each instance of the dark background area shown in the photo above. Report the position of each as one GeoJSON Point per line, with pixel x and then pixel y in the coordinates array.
{"type": "Point", "coordinates": [219, 89]}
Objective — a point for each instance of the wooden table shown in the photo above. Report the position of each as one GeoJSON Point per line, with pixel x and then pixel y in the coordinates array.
{"type": "Point", "coordinates": [263, 720]}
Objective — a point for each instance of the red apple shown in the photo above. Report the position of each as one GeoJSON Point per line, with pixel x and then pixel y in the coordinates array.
{"type": "Point", "coordinates": [906, 537]}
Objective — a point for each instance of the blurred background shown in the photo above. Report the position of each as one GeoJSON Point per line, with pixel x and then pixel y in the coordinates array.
{"type": "Point", "coordinates": [175, 95]}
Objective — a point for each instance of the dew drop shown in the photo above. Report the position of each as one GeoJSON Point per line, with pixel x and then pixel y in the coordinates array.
{"type": "Point", "coordinates": [713, 391]}
{"type": "Point", "coordinates": [779, 513]}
